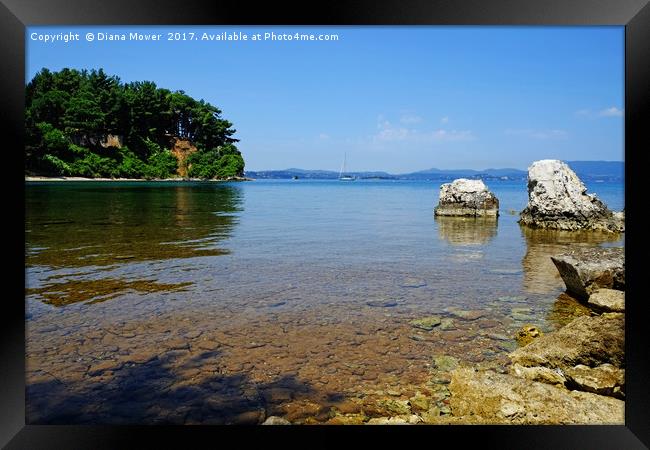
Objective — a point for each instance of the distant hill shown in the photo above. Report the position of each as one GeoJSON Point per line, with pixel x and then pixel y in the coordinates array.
{"type": "Point", "coordinates": [450, 174]}
{"type": "Point", "coordinates": [586, 170]}
{"type": "Point", "coordinates": [599, 170]}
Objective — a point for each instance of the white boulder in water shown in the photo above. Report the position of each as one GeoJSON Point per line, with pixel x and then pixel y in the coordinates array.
{"type": "Point", "coordinates": [465, 197]}
{"type": "Point", "coordinates": [557, 199]}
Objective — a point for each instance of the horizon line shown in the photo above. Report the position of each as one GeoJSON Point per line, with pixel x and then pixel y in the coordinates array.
{"type": "Point", "coordinates": [431, 168]}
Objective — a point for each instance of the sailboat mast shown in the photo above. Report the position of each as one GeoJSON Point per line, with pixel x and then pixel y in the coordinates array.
{"type": "Point", "coordinates": [343, 166]}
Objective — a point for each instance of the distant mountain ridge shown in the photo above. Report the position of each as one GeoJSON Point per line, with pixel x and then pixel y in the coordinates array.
{"type": "Point", "coordinates": [586, 170]}
{"type": "Point", "coordinates": [598, 169]}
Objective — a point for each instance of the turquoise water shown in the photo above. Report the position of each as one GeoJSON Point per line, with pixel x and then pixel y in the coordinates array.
{"type": "Point", "coordinates": [306, 287]}
{"type": "Point", "coordinates": [366, 221]}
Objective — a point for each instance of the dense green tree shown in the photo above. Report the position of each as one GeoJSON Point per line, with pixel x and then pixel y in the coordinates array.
{"type": "Point", "coordinates": [221, 162]}
{"type": "Point", "coordinates": [83, 115]}
{"type": "Point", "coordinates": [70, 113]}
{"type": "Point", "coordinates": [49, 107]}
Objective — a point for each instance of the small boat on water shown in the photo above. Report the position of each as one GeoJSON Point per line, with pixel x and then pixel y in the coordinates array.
{"type": "Point", "coordinates": [295, 177]}
{"type": "Point", "coordinates": [342, 175]}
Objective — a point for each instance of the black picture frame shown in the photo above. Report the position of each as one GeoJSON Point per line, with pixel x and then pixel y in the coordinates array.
{"type": "Point", "coordinates": [15, 15]}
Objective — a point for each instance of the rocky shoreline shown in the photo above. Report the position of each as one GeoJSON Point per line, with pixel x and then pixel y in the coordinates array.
{"type": "Point", "coordinates": [574, 375]}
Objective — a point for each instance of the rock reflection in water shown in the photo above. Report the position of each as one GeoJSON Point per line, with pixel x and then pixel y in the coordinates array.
{"type": "Point", "coordinates": [83, 224]}
{"type": "Point", "coordinates": [96, 291]}
{"type": "Point", "coordinates": [564, 310]}
{"type": "Point", "coordinates": [467, 230]}
{"type": "Point", "coordinates": [540, 274]}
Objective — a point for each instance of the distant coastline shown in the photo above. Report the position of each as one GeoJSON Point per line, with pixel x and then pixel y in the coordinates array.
{"type": "Point", "coordinates": [605, 171]}
{"type": "Point", "coordinates": [594, 171]}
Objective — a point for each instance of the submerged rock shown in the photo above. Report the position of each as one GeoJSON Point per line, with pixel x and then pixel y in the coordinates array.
{"type": "Point", "coordinates": [590, 341]}
{"type": "Point", "coordinates": [397, 420]}
{"type": "Point", "coordinates": [426, 323]}
{"type": "Point", "coordinates": [496, 398]}
{"type": "Point", "coordinates": [585, 269]}
{"type": "Point", "coordinates": [275, 420]}
{"type": "Point", "coordinates": [447, 324]}
{"type": "Point", "coordinates": [419, 402]}
{"type": "Point", "coordinates": [445, 363]}
{"type": "Point", "coordinates": [465, 197]}
{"type": "Point", "coordinates": [431, 416]}
{"type": "Point", "coordinates": [557, 199]}
{"type": "Point", "coordinates": [607, 300]}
{"type": "Point", "coordinates": [382, 303]}
{"type": "Point", "coordinates": [506, 271]}
{"type": "Point", "coordinates": [104, 366]}
{"type": "Point", "coordinates": [470, 315]}
{"type": "Point", "coordinates": [398, 407]}
{"type": "Point", "coordinates": [412, 282]}
{"type": "Point", "coordinates": [348, 419]}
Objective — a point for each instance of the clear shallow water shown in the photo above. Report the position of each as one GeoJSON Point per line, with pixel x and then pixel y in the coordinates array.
{"type": "Point", "coordinates": [208, 303]}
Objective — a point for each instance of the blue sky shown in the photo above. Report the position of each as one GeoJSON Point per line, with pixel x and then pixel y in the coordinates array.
{"type": "Point", "coordinates": [396, 99]}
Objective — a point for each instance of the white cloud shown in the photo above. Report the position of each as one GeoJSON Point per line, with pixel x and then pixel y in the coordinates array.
{"type": "Point", "coordinates": [607, 112]}
{"type": "Point", "coordinates": [611, 112]}
{"type": "Point", "coordinates": [390, 133]}
{"type": "Point", "coordinates": [538, 134]}
{"type": "Point", "coordinates": [453, 135]}
{"type": "Point", "coordinates": [444, 120]}
{"type": "Point", "coordinates": [323, 136]}
{"type": "Point", "coordinates": [410, 119]}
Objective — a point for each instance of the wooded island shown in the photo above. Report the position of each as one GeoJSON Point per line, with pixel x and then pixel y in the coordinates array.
{"type": "Point", "coordinates": [90, 124]}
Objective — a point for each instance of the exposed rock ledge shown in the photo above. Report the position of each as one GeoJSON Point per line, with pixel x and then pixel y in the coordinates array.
{"type": "Point", "coordinates": [609, 300]}
{"type": "Point", "coordinates": [573, 376]}
{"type": "Point", "coordinates": [506, 399]}
{"type": "Point", "coordinates": [465, 197]}
{"type": "Point", "coordinates": [589, 341]}
{"type": "Point", "coordinates": [584, 270]}
{"type": "Point", "coordinates": [588, 354]}
{"type": "Point", "coordinates": [557, 199]}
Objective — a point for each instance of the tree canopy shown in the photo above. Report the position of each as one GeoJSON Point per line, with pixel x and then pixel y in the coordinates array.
{"type": "Point", "coordinates": [70, 113]}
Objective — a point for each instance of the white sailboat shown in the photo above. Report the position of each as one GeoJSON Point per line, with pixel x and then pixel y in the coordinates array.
{"type": "Point", "coordinates": [342, 175]}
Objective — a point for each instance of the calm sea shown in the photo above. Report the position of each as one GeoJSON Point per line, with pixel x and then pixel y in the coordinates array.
{"type": "Point", "coordinates": [203, 302]}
